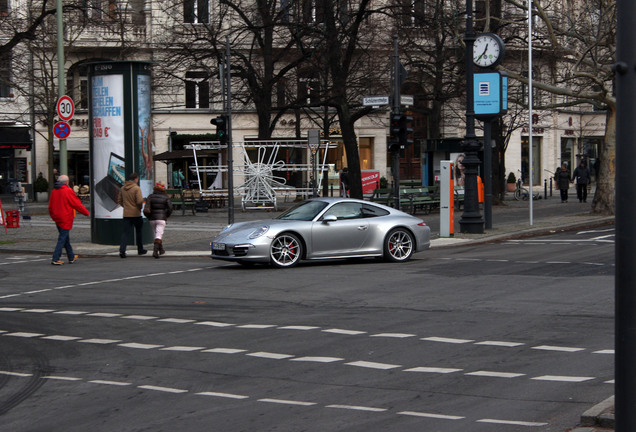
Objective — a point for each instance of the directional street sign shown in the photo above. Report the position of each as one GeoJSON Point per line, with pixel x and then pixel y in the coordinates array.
{"type": "Point", "coordinates": [61, 130]}
{"type": "Point", "coordinates": [375, 100]}
{"type": "Point", "coordinates": [406, 100]}
{"type": "Point", "coordinates": [65, 108]}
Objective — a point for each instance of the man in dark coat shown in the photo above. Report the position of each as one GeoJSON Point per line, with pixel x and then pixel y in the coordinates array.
{"type": "Point", "coordinates": [562, 178]}
{"type": "Point", "coordinates": [131, 200]}
{"type": "Point", "coordinates": [62, 207]}
{"type": "Point", "coordinates": [582, 176]}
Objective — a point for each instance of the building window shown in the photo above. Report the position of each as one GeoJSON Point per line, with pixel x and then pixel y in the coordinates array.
{"type": "Point", "coordinates": [4, 7]}
{"type": "Point", "coordinates": [5, 77]}
{"type": "Point", "coordinates": [197, 89]}
{"type": "Point", "coordinates": [309, 89]}
{"type": "Point", "coordinates": [196, 11]}
{"type": "Point", "coordinates": [414, 13]}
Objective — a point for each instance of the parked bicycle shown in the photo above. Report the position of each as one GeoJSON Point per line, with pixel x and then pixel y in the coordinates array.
{"type": "Point", "coordinates": [522, 193]}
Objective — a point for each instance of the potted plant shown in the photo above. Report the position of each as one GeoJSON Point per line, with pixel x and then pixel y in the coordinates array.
{"type": "Point", "coordinates": [511, 183]}
{"type": "Point", "coordinates": [41, 188]}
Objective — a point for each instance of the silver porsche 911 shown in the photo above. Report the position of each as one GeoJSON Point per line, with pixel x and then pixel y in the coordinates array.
{"type": "Point", "coordinates": [324, 228]}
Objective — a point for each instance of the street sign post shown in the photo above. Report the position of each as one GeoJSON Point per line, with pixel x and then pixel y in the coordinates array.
{"type": "Point", "coordinates": [65, 108]}
{"type": "Point", "coordinates": [375, 100]}
{"type": "Point", "coordinates": [61, 130]}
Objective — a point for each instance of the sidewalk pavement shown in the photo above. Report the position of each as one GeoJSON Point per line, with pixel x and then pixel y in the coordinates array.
{"type": "Point", "coordinates": [190, 236]}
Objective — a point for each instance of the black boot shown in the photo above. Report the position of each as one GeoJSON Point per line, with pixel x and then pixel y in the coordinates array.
{"type": "Point", "coordinates": [161, 251]}
{"type": "Point", "coordinates": [155, 251]}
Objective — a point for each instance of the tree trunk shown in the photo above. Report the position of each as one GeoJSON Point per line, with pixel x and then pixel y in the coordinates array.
{"type": "Point", "coordinates": [605, 196]}
{"type": "Point", "coordinates": [351, 148]}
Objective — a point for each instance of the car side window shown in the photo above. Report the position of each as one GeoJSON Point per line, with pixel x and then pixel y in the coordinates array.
{"type": "Point", "coordinates": [346, 211]}
{"type": "Point", "coordinates": [373, 211]}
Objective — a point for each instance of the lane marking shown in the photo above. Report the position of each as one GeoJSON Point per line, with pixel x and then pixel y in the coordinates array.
{"type": "Point", "coordinates": [224, 350]}
{"type": "Point", "coordinates": [557, 378]}
{"type": "Point", "coordinates": [140, 317]}
{"type": "Point", "coordinates": [177, 320]}
{"type": "Point", "coordinates": [61, 338]}
{"type": "Point", "coordinates": [10, 309]}
{"type": "Point", "coordinates": [105, 315]}
{"type": "Point", "coordinates": [223, 395]}
{"type": "Point", "coordinates": [37, 310]}
{"type": "Point", "coordinates": [357, 408]}
{"type": "Point", "coordinates": [70, 312]}
{"type": "Point", "coordinates": [182, 348]}
{"type": "Point", "coordinates": [136, 345]}
{"type": "Point", "coordinates": [16, 374]}
{"type": "Point", "coordinates": [557, 348]}
{"type": "Point", "coordinates": [269, 355]}
{"type": "Point", "coordinates": [286, 402]}
{"type": "Point", "coordinates": [99, 341]}
{"type": "Point", "coordinates": [512, 422]}
{"type": "Point", "coordinates": [447, 340]}
{"type": "Point", "coordinates": [61, 378]}
{"type": "Point", "coordinates": [393, 335]}
{"type": "Point", "coordinates": [297, 327]}
{"type": "Point", "coordinates": [373, 365]}
{"type": "Point", "coordinates": [318, 359]}
{"type": "Point", "coordinates": [24, 334]}
{"type": "Point", "coordinates": [606, 351]}
{"type": "Point", "coordinates": [162, 389]}
{"type": "Point", "coordinates": [492, 374]}
{"type": "Point", "coordinates": [344, 332]}
{"type": "Point", "coordinates": [113, 383]}
{"type": "Point", "coordinates": [213, 324]}
{"type": "Point", "coordinates": [500, 344]}
{"type": "Point", "coordinates": [432, 370]}
{"type": "Point", "coordinates": [256, 326]}
{"type": "Point", "coordinates": [431, 415]}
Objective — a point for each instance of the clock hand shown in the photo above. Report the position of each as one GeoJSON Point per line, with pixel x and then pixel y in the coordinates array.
{"type": "Point", "coordinates": [484, 53]}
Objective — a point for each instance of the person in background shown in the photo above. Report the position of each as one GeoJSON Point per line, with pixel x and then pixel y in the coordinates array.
{"type": "Point", "coordinates": [177, 179]}
{"type": "Point", "coordinates": [582, 176]}
{"type": "Point", "coordinates": [62, 207]}
{"type": "Point", "coordinates": [159, 206]}
{"type": "Point", "coordinates": [344, 182]}
{"type": "Point", "coordinates": [131, 200]}
{"type": "Point", "coordinates": [562, 178]}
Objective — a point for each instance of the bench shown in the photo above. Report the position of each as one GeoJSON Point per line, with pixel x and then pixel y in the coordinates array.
{"type": "Point", "coordinates": [420, 198]}
{"type": "Point", "coordinates": [382, 196]}
{"type": "Point", "coordinates": [178, 198]}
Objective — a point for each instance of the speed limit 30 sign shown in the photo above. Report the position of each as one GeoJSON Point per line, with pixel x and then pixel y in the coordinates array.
{"type": "Point", "coordinates": [65, 108]}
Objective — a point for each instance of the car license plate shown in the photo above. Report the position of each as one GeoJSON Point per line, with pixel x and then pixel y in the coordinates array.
{"type": "Point", "coordinates": [218, 246]}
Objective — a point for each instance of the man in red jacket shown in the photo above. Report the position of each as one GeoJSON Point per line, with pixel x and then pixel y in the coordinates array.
{"type": "Point", "coordinates": [62, 207]}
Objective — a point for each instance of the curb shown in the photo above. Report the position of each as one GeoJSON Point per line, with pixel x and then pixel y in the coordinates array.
{"type": "Point", "coordinates": [600, 415]}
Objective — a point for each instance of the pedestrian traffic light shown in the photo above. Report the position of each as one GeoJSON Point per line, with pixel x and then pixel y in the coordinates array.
{"type": "Point", "coordinates": [405, 130]}
{"type": "Point", "coordinates": [394, 133]}
{"type": "Point", "coordinates": [221, 128]}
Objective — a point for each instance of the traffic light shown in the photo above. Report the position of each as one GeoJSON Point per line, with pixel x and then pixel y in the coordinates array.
{"type": "Point", "coordinates": [221, 128]}
{"type": "Point", "coordinates": [394, 133]}
{"type": "Point", "coordinates": [405, 130]}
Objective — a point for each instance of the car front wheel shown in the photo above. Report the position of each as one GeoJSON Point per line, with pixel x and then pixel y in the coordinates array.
{"type": "Point", "coordinates": [398, 245]}
{"type": "Point", "coordinates": [285, 251]}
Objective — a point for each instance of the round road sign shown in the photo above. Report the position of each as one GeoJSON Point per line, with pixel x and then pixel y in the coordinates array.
{"type": "Point", "coordinates": [65, 108]}
{"type": "Point", "coordinates": [61, 130]}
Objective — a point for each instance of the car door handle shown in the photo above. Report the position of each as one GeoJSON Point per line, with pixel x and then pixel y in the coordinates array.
{"type": "Point", "coordinates": [363, 227]}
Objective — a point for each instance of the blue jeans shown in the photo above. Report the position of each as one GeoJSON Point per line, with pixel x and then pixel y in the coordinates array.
{"type": "Point", "coordinates": [129, 223]}
{"type": "Point", "coordinates": [63, 242]}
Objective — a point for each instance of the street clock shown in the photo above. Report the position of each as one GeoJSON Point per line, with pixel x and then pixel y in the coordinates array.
{"type": "Point", "coordinates": [488, 50]}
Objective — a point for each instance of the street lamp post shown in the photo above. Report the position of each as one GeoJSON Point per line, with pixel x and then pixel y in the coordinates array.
{"type": "Point", "coordinates": [471, 221]}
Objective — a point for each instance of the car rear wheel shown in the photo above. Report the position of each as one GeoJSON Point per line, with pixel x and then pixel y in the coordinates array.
{"type": "Point", "coordinates": [285, 251]}
{"type": "Point", "coordinates": [398, 245]}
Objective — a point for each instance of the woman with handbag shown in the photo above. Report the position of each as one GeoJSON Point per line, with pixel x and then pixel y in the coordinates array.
{"type": "Point", "coordinates": [158, 209]}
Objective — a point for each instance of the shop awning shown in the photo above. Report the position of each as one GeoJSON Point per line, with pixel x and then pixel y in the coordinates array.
{"type": "Point", "coordinates": [182, 154]}
{"type": "Point", "coordinates": [16, 138]}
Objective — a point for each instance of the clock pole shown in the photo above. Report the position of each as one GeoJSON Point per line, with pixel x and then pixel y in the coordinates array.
{"type": "Point", "coordinates": [471, 221]}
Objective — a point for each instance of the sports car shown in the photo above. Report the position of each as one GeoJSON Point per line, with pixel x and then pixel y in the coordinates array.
{"type": "Point", "coordinates": [324, 228]}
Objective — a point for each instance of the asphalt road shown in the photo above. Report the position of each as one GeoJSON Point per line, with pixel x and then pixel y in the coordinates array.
{"type": "Point", "coordinates": [511, 336]}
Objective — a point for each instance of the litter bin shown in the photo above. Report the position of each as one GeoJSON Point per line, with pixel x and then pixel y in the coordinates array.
{"type": "Point", "coordinates": [12, 220]}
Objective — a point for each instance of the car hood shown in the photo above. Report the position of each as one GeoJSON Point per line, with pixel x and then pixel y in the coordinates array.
{"type": "Point", "coordinates": [241, 230]}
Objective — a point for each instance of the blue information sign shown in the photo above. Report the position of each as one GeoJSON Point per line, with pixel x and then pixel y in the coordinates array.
{"type": "Point", "coordinates": [490, 90]}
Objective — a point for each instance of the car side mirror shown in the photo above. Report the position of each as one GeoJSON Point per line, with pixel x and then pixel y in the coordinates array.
{"type": "Point", "coordinates": [329, 218]}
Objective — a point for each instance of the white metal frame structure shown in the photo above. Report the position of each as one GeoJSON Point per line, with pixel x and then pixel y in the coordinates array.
{"type": "Point", "coordinates": [261, 187]}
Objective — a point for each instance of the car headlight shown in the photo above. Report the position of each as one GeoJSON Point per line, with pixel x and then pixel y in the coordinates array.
{"type": "Point", "coordinates": [259, 232]}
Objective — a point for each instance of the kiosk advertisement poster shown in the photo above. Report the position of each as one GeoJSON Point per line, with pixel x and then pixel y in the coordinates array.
{"type": "Point", "coordinates": [144, 135]}
{"type": "Point", "coordinates": [108, 150]}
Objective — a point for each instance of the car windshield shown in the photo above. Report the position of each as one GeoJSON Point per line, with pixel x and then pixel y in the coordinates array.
{"type": "Point", "coordinates": [304, 211]}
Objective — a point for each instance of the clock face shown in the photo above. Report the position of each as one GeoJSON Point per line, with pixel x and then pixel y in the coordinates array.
{"type": "Point", "coordinates": [487, 50]}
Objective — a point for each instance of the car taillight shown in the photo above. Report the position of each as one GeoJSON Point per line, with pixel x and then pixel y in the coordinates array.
{"type": "Point", "coordinates": [422, 223]}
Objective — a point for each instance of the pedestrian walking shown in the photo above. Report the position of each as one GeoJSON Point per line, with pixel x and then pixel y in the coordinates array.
{"type": "Point", "coordinates": [344, 182]}
{"type": "Point", "coordinates": [158, 209]}
{"type": "Point", "coordinates": [582, 176]}
{"type": "Point", "coordinates": [62, 207]}
{"type": "Point", "coordinates": [131, 200]}
{"type": "Point", "coordinates": [562, 178]}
